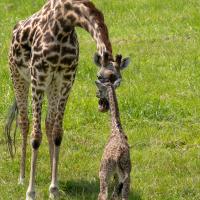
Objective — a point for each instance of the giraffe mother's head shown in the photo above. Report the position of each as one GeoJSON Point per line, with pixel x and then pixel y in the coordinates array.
{"type": "Point", "coordinates": [109, 71]}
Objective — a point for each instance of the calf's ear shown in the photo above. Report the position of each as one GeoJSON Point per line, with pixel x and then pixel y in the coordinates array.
{"type": "Point", "coordinates": [117, 83]}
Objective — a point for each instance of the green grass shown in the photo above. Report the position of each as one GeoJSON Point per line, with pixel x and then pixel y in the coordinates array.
{"type": "Point", "coordinates": [159, 102]}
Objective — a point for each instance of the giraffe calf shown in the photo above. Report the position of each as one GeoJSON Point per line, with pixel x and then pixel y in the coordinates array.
{"type": "Point", "coordinates": [116, 156]}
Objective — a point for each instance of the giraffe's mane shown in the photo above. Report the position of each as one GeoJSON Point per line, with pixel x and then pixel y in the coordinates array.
{"type": "Point", "coordinates": [97, 16]}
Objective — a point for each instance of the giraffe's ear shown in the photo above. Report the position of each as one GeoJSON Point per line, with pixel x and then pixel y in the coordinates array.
{"type": "Point", "coordinates": [117, 83]}
{"type": "Point", "coordinates": [105, 57]}
{"type": "Point", "coordinates": [97, 59]}
{"type": "Point", "coordinates": [125, 62]}
{"type": "Point", "coordinates": [118, 59]}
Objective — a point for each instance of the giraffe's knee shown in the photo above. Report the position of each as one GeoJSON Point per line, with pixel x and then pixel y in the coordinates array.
{"type": "Point", "coordinates": [57, 136]}
{"type": "Point", "coordinates": [36, 140]}
{"type": "Point", "coordinates": [57, 140]}
{"type": "Point", "coordinates": [119, 188]}
{"type": "Point", "coordinates": [35, 144]}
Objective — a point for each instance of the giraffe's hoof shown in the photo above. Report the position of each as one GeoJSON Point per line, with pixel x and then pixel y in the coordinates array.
{"type": "Point", "coordinates": [54, 193]}
{"type": "Point", "coordinates": [30, 195]}
{"type": "Point", "coordinates": [114, 197]}
{"type": "Point", "coordinates": [21, 181]}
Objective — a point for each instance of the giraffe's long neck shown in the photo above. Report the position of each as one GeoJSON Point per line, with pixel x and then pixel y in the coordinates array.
{"type": "Point", "coordinates": [114, 110]}
{"type": "Point", "coordinates": [84, 14]}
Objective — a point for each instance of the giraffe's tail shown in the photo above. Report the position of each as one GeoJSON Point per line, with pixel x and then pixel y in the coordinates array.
{"type": "Point", "coordinates": [9, 134]}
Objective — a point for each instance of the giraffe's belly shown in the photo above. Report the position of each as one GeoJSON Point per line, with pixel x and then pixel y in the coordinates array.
{"type": "Point", "coordinates": [26, 74]}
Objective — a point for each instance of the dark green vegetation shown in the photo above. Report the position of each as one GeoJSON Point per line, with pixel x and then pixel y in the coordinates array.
{"type": "Point", "coordinates": [159, 103]}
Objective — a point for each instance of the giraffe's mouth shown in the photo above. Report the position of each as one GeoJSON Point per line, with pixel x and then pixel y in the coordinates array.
{"type": "Point", "coordinates": [103, 105]}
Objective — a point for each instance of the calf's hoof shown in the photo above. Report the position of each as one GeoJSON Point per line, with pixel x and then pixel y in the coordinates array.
{"type": "Point", "coordinates": [54, 193]}
{"type": "Point", "coordinates": [30, 195]}
{"type": "Point", "coordinates": [102, 197]}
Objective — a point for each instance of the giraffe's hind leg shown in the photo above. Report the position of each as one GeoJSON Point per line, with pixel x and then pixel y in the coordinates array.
{"type": "Point", "coordinates": [126, 186]}
{"type": "Point", "coordinates": [123, 186]}
{"type": "Point", "coordinates": [21, 88]}
{"type": "Point", "coordinates": [117, 188]}
{"type": "Point", "coordinates": [52, 96]}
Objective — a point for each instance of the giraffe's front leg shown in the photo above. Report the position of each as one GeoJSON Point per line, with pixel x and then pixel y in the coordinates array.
{"type": "Point", "coordinates": [57, 136]}
{"type": "Point", "coordinates": [21, 88]}
{"type": "Point", "coordinates": [52, 97]}
{"type": "Point", "coordinates": [53, 189]}
{"type": "Point", "coordinates": [36, 139]}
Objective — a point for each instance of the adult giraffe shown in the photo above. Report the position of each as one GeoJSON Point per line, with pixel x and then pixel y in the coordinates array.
{"type": "Point", "coordinates": [44, 56]}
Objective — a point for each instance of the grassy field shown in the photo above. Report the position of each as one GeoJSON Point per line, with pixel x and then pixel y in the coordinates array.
{"type": "Point", "coordinates": [159, 103]}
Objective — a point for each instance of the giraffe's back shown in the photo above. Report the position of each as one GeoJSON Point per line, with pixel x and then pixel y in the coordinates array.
{"type": "Point", "coordinates": [44, 43]}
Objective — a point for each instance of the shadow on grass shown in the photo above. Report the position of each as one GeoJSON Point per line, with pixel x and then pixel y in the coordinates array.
{"type": "Point", "coordinates": [87, 190]}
